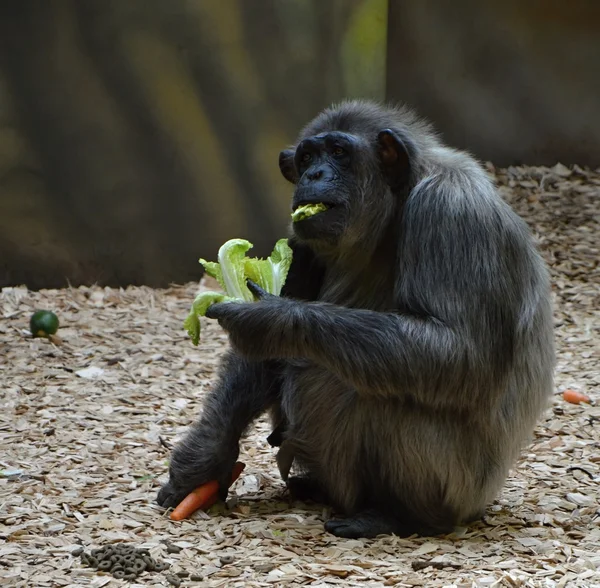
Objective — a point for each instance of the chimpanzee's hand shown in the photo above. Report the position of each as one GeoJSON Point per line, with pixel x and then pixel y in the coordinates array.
{"type": "Point", "coordinates": [195, 461]}
{"type": "Point", "coordinates": [256, 329]}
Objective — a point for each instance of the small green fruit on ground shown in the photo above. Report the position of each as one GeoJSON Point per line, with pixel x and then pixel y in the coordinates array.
{"type": "Point", "coordinates": [43, 323]}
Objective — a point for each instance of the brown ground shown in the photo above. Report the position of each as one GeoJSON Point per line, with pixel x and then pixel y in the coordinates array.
{"type": "Point", "coordinates": [90, 455]}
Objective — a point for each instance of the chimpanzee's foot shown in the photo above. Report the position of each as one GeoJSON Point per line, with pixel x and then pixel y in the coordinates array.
{"type": "Point", "coordinates": [368, 523]}
{"type": "Point", "coordinates": [305, 488]}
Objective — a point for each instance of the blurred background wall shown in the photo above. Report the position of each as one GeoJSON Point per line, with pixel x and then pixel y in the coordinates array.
{"type": "Point", "coordinates": [139, 135]}
{"type": "Point", "coordinates": [513, 81]}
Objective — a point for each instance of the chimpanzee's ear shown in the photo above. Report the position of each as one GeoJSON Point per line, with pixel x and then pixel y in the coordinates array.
{"type": "Point", "coordinates": [394, 157]}
{"type": "Point", "coordinates": [287, 166]}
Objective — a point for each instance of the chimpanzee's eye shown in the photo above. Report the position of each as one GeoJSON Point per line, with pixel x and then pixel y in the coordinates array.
{"type": "Point", "coordinates": [337, 151]}
{"type": "Point", "coordinates": [306, 157]}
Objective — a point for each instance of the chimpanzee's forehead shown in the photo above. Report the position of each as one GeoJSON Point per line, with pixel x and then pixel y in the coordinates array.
{"type": "Point", "coordinates": [356, 132]}
{"type": "Point", "coordinates": [329, 138]}
{"type": "Point", "coordinates": [332, 135]}
{"type": "Point", "coordinates": [353, 119]}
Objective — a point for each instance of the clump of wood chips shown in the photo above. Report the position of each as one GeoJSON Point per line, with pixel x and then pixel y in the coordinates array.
{"type": "Point", "coordinates": [84, 426]}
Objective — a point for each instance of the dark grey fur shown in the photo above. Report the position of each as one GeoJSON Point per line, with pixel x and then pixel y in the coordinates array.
{"type": "Point", "coordinates": [412, 352]}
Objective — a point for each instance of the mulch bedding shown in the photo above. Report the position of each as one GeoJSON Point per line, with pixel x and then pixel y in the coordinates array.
{"type": "Point", "coordinates": [86, 422]}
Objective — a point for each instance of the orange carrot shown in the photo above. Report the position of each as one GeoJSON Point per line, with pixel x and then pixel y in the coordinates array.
{"type": "Point", "coordinates": [575, 397]}
{"type": "Point", "coordinates": [235, 474]}
{"type": "Point", "coordinates": [204, 496]}
{"type": "Point", "coordinates": [195, 500]}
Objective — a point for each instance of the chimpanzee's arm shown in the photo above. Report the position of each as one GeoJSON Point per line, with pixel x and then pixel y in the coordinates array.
{"type": "Point", "coordinates": [374, 352]}
{"type": "Point", "coordinates": [245, 389]}
{"type": "Point", "coordinates": [458, 301]}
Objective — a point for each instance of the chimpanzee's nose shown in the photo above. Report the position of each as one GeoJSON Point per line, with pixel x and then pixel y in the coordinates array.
{"type": "Point", "coordinates": [318, 173]}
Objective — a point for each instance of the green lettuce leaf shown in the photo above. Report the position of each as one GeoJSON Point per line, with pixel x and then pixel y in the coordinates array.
{"type": "Point", "coordinates": [232, 259]}
{"type": "Point", "coordinates": [199, 308]}
{"type": "Point", "coordinates": [213, 269]}
{"type": "Point", "coordinates": [270, 274]}
{"type": "Point", "coordinates": [232, 270]}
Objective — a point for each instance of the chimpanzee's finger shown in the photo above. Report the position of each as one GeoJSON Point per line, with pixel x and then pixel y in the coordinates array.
{"type": "Point", "coordinates": [219, 310]}
{"type": "Point", "coordinates": [256, 289]}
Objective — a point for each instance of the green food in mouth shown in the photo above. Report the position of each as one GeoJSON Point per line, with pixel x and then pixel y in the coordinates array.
{"type": "Point", "coordinates": [307, 210]}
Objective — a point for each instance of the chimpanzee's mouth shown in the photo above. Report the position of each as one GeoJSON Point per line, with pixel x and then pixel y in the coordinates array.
{"type": "Point", "coordinates": [305, 211]}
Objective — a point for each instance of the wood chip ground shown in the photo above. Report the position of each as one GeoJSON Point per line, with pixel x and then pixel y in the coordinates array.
{"type": "Point", "coordinates": [84, 424]}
